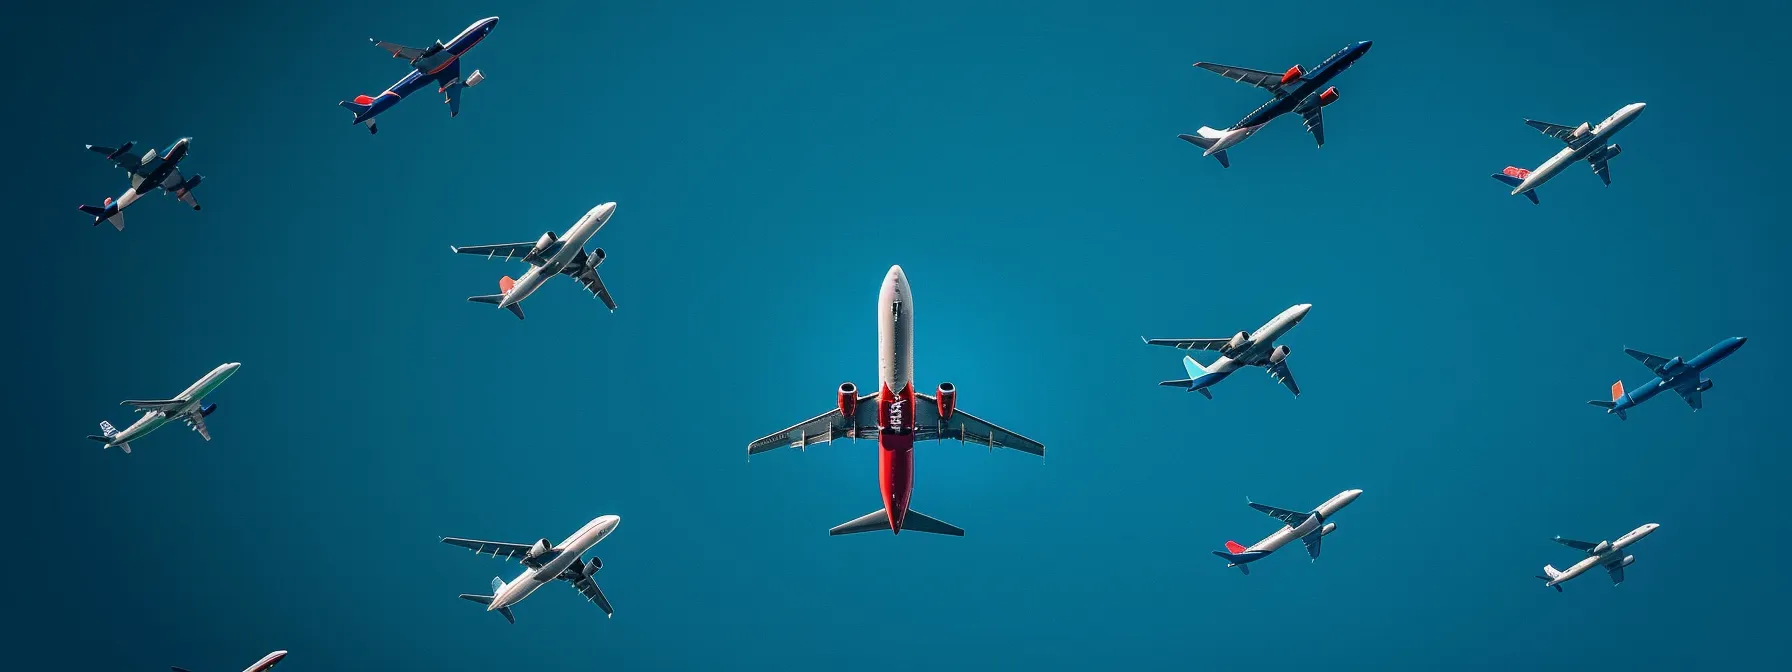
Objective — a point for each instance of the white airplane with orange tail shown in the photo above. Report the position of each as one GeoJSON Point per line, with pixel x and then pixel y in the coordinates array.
{"type": "Point", "coordinates": [1585, 142]}
{"type": "Point", "coordinates": [551, 255]}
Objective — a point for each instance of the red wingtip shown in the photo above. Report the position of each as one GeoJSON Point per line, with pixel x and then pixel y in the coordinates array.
{"type": "Point", "coordinates": [1517, 172]}
{"type": "Point", "coordinates": [363, 99]}
{"type": "Point", "coordinates": [1234, 547]}
{"type": "Point", "coordinates": [505, 283]}
{"type": "Point", "coordinates": [1617, 390]}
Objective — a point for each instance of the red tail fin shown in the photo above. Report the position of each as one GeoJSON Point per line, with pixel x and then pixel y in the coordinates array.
{"type": "Point", "coordinates": [1617, 390]}
{"type": "Point", "coordinates": [1517, 172]}
{"type": "Point", "coordinates": [505, 283]}
{"type": "Point", "coordinates": [1235, 548]}
{"type": "Point", "coordinates": [363, 99]}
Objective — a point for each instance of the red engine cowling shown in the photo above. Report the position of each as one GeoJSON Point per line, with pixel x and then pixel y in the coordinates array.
{"type": "Point", "coordinates": [1292, 74]}
{"type": "Point", "coordinates": [1330, 96]}
{"type": "Point", "coordinates": [849, 399]}
{"type": "Point", "coordinates": [947, 398]}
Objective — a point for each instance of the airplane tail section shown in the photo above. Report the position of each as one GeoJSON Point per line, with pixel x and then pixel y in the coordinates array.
{"type": "Point", "coordinates": [108, 212]}
{"type": "Point", "coordinates": [487, 601]}
{"type": "Point", "coordinates": [880, 520]}
{"type": "Point", "coordinates": [1550, 573]}
{"type": "Point", "coordinates": [1612, 406]}
{"type": "Point", "coordinates": [1236, 555]}
{"type": "Point", "coordinates": [920, 522]}
{"type": "Point", "coordinates": [107, 432]}
{"type": "Point", "coordinates": [1199, 377]}
{"type": "Point", "coordinates": [360, 106]}
{"type": "Point", "coordinates": [1205, 139]}
{"type": "Point", "coordinates": [498, 300]}
{"type": "Point", "coordinates": [1514, 176]}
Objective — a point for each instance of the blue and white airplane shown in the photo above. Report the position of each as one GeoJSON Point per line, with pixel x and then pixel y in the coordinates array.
{"type": "Point", "coordinates": [1255, 348]}
{"type": "Point", "coordinates": [1683, 377]}
{"type": "Point", "coordinates": [150, 171]}
{"type": "Point", "coordinates": [1585, 143]}
{"type": "Point", "coordinates": [1309, 528]}
{"type": "Point", "coordinates": [1295, 91]}
{"type": "Point", "coordinates": [439, 63]}
{"type": "Point", "coordinates": [188, 406]}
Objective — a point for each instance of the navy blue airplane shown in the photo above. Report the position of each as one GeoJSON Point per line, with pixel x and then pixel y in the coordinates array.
{"type": "Point", "coordinates": [1296, 91]}
{"type": "Point", "coordinates": [1685, 378]}
{"type": "Point", "coordinates": [439, 63]}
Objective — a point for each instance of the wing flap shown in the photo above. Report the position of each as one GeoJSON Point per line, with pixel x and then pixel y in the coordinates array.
{"type": "Point", "coordinates": [1583, 546]}
{"type": "Point", "coordinates": [824, 428]}
{"type": "Point", "coordinates": [1312, 543]}
{"type": "Point", "coordinates": [153, 404]}
{"type": "Point", "coordinates": [1289, 518]}
{"type": "Point", "coordinates": [398, 51]}
{"type": "Point", "coordinates": [497, 548]}
{"type": "Point", "coordinates": [593, 594]}
{"type": "Point", "coordinates": [507, 250]}
{"type": "Point", "coordinates": [1270, 81]}
{"type": "Point", "coordinates": [1654, 362]}
{"type": "Point", "coordinates": [1280, 373]}
{"type": "Point", "coordinates": [1207, 344]}
{"type": "Point", "coordinates": [967, 428]}
{"type": "Point", "coordinates": [1315, 121]}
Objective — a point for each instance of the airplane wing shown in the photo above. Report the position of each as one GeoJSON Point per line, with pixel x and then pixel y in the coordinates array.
{"type": "Point", "coordinates": [1209, 344]}
{"type": "Point", "coordinates": [967, 428]}
{"type": "Point", "coordinates": [497, 548]}
{"type": "Point", "coordinates": [587, 276]}
{"type": "Point", "coordinates": [824, 428]}
{"type": "Point", "coordinates": [1290, 518]}
{"type": "Point", "coordinates": [1691, 395]}
{"type": "Point", "coordinates": [508, 250]}
{"type": "Point", "coordinates": [1280, 373]}
{"type": "Point", "coordinates": [1577, 545]}
{"type": "Point", "coordinates": [196, 420]}
{"type": "Point", "coordinates": [588, 587]}
{"type": "Point", "coordinates": [451, 93]}
{"type": "Point", "coordinates": [1617, 572]}
{"type": "Point", "coordinates": [1601, 166]}
{"type": "Point", "coordinates": [124, 160]}
{"type": "Point", "coordinates": [154, 404]}
{"type": "Point", "coordinates": [172, 186]}
{"type": "Point", "coordinates": [1654, 362]}
{"type": "Point", "coordinates": [398, 50]}
{"type": "Point", "coordinates": [1557, 131]}
{"type": "Point", "coordinates": [1315, 123]}
{"type": "Point", "coordinates": [1272, 81]}
{"type": "Point", "coordinates": [1312, 543]}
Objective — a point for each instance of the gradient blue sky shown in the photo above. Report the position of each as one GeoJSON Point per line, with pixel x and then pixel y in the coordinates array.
{"type": "Point", "coordinates": [771, 161]}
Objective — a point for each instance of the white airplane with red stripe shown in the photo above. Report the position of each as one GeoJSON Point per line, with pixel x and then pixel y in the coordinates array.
{"type": "Point", "coordinates": [266, 663]}
{"type": "Point", "coordinates": [550, 256]}
{"type": "Point", "coordinates": [1309, 528]}
{"type": "Point", "coordinates": [897, 417]}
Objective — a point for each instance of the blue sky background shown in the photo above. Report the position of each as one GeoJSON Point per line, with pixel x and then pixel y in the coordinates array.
{"type": "Point", "coordinates": [771, 162]}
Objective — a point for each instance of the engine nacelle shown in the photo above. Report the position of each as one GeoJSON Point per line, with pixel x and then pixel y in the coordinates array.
{"type": "Point", "coordinates": [207, 409]}
{"type": "Point", "coordinates": [475, 78]}
{"type": "Point", "coordinates": [1280, 353]}
{"type": "Point", "coordinates": [1626, 561]}
{"type": "Point", "coordinates": [1704, 385]}
{"type": "Point", "coordinates": [1602, 548]}
{"type": "Point", "coordinates": [849, 399]}
{"type": "Point", "coordinates": [1239, 340]}
{"type": "Point", "coordinates": [1581, 130]}
{"type": "Point", "coordinates": [542, 245]}
{"type": "Point", "coordinates": [191, 183]}
{"type": "Point", "coordinates": [947, 398]}
{"type": "Point", "coordinates": [1613, 150]}
{"type": "Point", "coordinates": [1328, 529]}
{"type": "Point", "coordinates": [540, 548]}
{"type": "Point", "coordinates": [1292, 74]}
{"type": "Point", "coordinates": [1330, 96]}
{"type": "Point", "coordinates": [597, 257]}
{"type": "Point", "coordinates": [592, 566]}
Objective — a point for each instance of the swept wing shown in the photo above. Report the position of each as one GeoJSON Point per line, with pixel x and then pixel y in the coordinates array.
{"type": "Point", "coordinates": [967, 428]}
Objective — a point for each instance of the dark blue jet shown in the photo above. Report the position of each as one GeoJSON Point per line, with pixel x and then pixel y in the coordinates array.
{"type": "Point", "coordinates": [437, 64]}
{"type": "Point", "coordinates": [1296, 90]}
{"type": "Point", "coordinates": [1685, 377]}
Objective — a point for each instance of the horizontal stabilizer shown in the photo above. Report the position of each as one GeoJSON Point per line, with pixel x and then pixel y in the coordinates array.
{"type": "Point", "coordinates": [487, 600]}
{"type": "Point", "coordinates": [1185, 382]}
{"type": "Point", "coordinates": [876, 520]}
{"type": "Point", "coordinates": [1514, 181]}
{"type": "Point", "coordinates": [921, 522]}
{"type": "Point", "coordinates": [498, 299]}
{"type": "Point", "coordinates": [1205, 140]}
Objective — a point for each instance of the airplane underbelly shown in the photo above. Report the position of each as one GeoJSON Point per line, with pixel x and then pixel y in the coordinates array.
{"type": "Point", "coordinates": [896, 472]}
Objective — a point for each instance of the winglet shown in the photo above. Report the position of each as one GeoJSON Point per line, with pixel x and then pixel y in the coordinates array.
{"type": "Point", "coordinates": [1234, 547]}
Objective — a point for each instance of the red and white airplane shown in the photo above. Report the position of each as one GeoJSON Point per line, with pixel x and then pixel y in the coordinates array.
{"type": "Point", "coordinates": [896, 420]}
{"type": "Point", "coordinates": [266, 663]}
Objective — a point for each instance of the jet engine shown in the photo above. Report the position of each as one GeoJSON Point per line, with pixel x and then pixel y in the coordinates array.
{"type": "Point", "coordinates": [1328, 529]}
{"type": "Point", "coordinates": [206, 410]}
{"type": "Point", "coordinates": [542, 245]}
{"type": "Point", "coordinates": [1292, 74]}
{"type": "Point", "coordinates": [1280, 353]}
{"type": "Point", "coordinates": [1601, 548]}
{"type": "Point", "coordinates": [539, 549]}
{"type": "Point", "coordinates": [1330, 96]}
{"type": "Point", "coordinates": [475, 78]}
{"type": "Point", "coordinates": [1626, 561]}
{"type": "Point", "coordinates": [597, 257]}
{"type": "Point", "coordinates": [1581, 130]}
{"type": "Point", "coordinates": [1612, 150]}
{"type": "Point", "coordinates": [1704, 385]}
{"type": "Point", "coordinates": [592, 566]}
{"type": "Point", "coordinates": [1239, 340]}
{"type": "Point", "coordinates": [849, 399]}
{"type": "Point", "coordinates": [947, 399]}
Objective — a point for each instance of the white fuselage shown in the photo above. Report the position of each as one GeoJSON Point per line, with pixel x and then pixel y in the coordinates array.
{"type": "Point", "coordinates": [267, 662]}
{"type": "Point", "coordinates": [572, 243]}
{"type": "Point", "coordinates": [895, 332]}
{"type": "Point", "coordinates": [1292, 533]}
{"type": "Point", "coordinates": [194, 395]}
{"type": "Point", "coordinates": [1601, 135]}
{"type": "Point", "coordinates": [571, 549]}
{"type": "Point", "coordinates": [1613, 554]}
{"type": "Point", "coordinates": [1262, 340]}
{"type": "Point", "coordinates": [1232, 137]}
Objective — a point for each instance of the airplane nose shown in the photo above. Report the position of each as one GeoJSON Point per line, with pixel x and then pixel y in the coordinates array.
{"type": "Point", "coordinates": [1366, 44]}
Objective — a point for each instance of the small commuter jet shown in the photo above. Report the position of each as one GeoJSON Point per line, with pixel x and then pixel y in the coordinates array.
{"type": "Point", "coordinates": [1585, 143]}
{"type": "Point", "coordinates": [439, 63]}
{"type": "Point", "coordinates": [544, 563]}
{"type": "Point", "coordinates": [1257, 348]}
{"type": "Point", "coordinates": [1308, 527]}
{"type": "Point", "coordinates": [189, 406]}
{"type": "Point", "coordinates": [266, 663]}
{"type": "Point", "coordinates": [897, 417]}
{"type": "Point", "coordinates": [1685, 378]}
{"type": "Point", "coordinates": [150, 171]}
{"type": "Point", "coordinates": [1296, 91]}
{"type": "Point", "coordinates": [1607, 554]}
{"type": "Point", "coordinates": [549, 256]}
